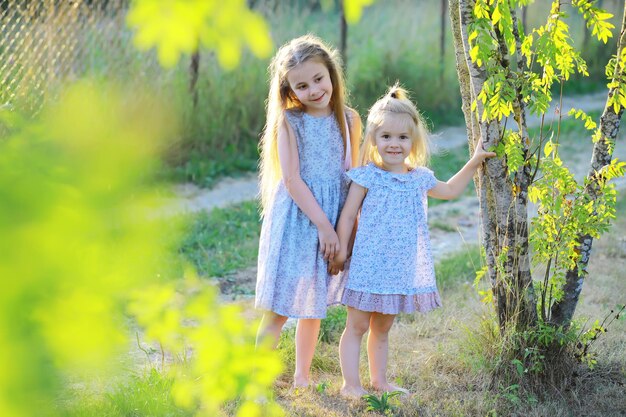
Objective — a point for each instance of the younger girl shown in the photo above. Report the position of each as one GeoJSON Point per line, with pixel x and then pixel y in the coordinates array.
{"type": "Point", "coordinates": [306, 149]}
{"type": "Point", "coordinates": [391, 269]}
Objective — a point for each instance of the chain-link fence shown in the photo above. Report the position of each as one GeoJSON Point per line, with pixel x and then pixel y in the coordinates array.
{"type": "Point", "coordinates": [44, 43]}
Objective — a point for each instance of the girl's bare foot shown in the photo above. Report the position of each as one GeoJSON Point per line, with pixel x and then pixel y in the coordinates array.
{"type": "Point", "coordinates": [387, 387]}
{"type": "Point", "coordinates": [352, 392]}
{"type": "Point", "coordinates": [300, 383]}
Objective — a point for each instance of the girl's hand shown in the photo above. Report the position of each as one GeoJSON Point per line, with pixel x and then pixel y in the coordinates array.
{"type": "Point", "coordinates": [338, 263]}
{"type": "Point", "coordinates": [329, 242]}
{"type": "Point", "coordinates": [334, 268]}
{"type": "Point", "coordinates": [480, 154]}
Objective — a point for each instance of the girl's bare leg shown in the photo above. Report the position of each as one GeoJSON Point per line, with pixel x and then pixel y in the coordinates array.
{"type": "Point", "coordinates": [378, 350]}
{"type": "Point", "coordinates": [307, 332]}
{"type": "Point", "coordinates": [270, 326]}
{"type": "Point", "coordinates": [357, 324]}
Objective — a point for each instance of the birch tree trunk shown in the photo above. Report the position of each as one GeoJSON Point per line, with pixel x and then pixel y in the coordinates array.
{"type": "Point", "coordinates": [503, 196]}
{"type": "Point", "coordinates": [503, 204]}
{"type": "Point", "coordinates": [562, 311]}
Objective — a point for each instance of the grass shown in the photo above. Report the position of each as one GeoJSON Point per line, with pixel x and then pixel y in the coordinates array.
{"type": "Point", "coordinates": [445, 358]}
{"type": "Point", "coordinates": [143, 395]}
{"type": "Point", "coordinates": [458, 268]}
{"type": "Point", "coordinates": [332, 326]}
{"type": "Point", "coordinates": [206, 172]}
{"type": "Point", "coordinates": [224, 240]}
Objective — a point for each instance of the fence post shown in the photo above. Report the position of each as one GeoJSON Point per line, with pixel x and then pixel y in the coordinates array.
{"type": "Point", "coordinates": [344, 36]}
{"type": "Point", "coordinates": [194, 67]}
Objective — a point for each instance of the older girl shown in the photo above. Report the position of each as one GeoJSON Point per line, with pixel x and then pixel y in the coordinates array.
{"type": "Point", "coordinates": [306, 149]}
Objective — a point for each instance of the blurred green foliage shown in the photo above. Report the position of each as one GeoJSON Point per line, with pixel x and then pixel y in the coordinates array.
{"type": "Point", "coordinates": [76, 238]}
{"type": "Point", "coordinates": [225, 365]}
{"type": "Point", "coordinates": [81, 250]}
{"type": "Point", "coordinates": [177, 27]}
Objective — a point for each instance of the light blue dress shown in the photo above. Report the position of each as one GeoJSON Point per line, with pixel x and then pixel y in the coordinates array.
{"type": "Point", "coordinates": [392, 268]}
{"type": "Point", "coordinates": [292, 277]}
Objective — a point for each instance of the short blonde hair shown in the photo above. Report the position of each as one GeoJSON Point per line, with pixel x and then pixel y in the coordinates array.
{"type": "Point", "coordinates": [396, 101]}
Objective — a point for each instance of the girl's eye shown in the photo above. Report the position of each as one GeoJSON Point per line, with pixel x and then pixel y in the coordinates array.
{"type": "Point", "coordinates": [403, 137]}
{"type": "Point", "coordinates": [385, 136]}
{"type": "Point", "coordinates": [317, 80]}
{"type": "Point", "coordinates": [301, 87]}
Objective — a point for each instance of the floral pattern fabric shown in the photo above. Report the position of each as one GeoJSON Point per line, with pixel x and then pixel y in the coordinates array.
{"type": "Point", "coordinates": [292, 278]}
{"type": "Point", "coordinates": [392, 269]}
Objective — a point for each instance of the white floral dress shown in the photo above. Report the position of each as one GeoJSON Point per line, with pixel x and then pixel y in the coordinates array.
{"type": "Point", "coordinates": [391, 269]}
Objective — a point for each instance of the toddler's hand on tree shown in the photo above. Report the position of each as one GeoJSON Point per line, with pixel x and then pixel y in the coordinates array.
{"type": "Point", "coordinates": [480, 154]}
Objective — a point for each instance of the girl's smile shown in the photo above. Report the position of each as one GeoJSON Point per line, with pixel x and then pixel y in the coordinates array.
{"type": "Point", "coordinates": [393, 141]}
{"type": "Point", "coordinates": [310, 81]}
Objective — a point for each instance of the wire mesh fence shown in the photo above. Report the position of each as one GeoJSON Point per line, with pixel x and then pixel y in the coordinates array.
{"type": "Point", "coordinates": [46, 43]}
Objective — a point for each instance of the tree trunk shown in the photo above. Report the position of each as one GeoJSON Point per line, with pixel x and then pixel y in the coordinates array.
{"type": "Point", "coordinates": [442, 42]}
{"type": "Point", "coordinates": [194, 67]}
{"type": "Point", "coordinates": [562, 311]}
{"type": "Point", "coordinates": [503, 212]}
{"type": "Point", "coordinates": [344, 38]}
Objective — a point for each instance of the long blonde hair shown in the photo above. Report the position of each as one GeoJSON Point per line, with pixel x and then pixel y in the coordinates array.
{"type": "Point", "coordinates": [281, 98]}
{"type": "Point", "coordinates": [396, 101]}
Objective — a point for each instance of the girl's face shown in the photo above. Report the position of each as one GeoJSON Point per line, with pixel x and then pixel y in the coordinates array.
{"type": "Point", "coordinates": [310, 81]}
{"type": "Point", "coordinates": [393, 141]}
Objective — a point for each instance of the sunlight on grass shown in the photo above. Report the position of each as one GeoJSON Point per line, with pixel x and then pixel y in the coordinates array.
{"type": "Point", "coordinates": [223, 240]}
{"type": "Point", "coordinates": [459, 267]}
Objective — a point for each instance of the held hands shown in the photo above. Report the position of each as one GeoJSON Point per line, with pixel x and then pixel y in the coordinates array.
{"type": "Point", "coordinates": [337, 264]}
{"type": "Point", "coordinates": [329, 242]}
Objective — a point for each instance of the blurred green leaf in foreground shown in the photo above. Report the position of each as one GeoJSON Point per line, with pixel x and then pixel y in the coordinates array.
{"type": "Point", "coordinates": [80, 250]}
{"type": "Point", "coordinates": [180, 27]}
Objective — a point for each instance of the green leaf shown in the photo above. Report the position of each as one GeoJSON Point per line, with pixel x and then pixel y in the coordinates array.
{"type": "Point", "coordinates": [547, 149]}
{"type": "Point", "coordinates": [177, 27]}
{"type": "Point", "coordinates": [354, 9]}
{"type": "Point", "coordinates": [495, 17]}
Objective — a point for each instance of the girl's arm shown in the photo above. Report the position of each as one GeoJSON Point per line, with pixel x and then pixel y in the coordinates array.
{"type": "Point", "coordinates": [355, 136]}
{"type": "Point", "coordinates": [455, 185]}
{"type": "Point", "coordinates": [346, 223]}
{"type": "Point", "coordinates": [300, 192]}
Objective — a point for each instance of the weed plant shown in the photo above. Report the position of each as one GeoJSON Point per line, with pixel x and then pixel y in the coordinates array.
{"type": "Point", "coordinates": [383, 404]}
{"type": "Point", "coordinates": [142, 395]}
{"type": "Point", "coordinates": [332, 326]}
